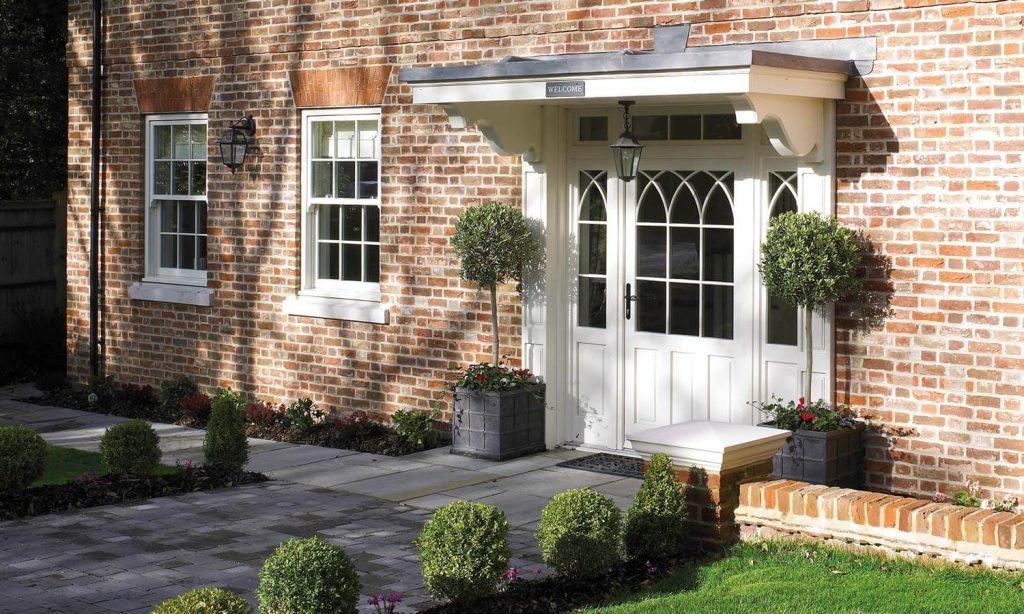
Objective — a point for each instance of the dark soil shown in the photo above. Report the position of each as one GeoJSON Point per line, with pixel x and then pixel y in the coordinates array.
{"type": "Point", "coordinates": [356, 432]}
{"type": "Point", "coordinates": [559, 593]}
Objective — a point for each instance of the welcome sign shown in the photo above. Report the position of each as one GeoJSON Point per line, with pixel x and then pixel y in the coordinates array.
{"type": "Point", "coordinates": [565, 89]}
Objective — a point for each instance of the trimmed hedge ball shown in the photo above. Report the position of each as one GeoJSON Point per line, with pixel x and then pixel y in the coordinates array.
{"type": "Point", "coordinates": [22, 458]}
{"type": "Point", "coordinates": [656, 524]}
{"type": "Point", "coordinates": [204, 601]}
{"type": "Point", "coordinates": [579, 533]}
{"type": "Point", "coordinates": [131, 448]}
{"type": "Point", "coordinates": [464, 549]}
{"type": "Point", "coordinates": [308, 576]}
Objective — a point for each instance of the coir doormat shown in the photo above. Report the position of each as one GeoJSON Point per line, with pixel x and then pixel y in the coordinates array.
{"type": "Point", "coordinates": [611, 464]}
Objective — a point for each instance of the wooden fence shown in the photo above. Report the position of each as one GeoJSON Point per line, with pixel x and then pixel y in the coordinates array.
{"type": "Point", "coordinates": [33, 250]}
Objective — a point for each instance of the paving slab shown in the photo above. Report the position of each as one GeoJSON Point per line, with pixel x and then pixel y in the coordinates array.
{"type": "Point", "coordinates": [127, 558]}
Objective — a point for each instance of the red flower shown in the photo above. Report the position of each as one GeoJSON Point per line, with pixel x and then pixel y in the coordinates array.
{"type": "Point", "coordinates": [807, 416]}
{"type": "Point", "coordinates": [800, 403]}
{"type": "Point", "coordinates": [480, 377]}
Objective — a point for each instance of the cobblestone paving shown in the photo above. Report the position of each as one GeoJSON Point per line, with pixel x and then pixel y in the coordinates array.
{"type": "Point", "coordinates": [126, 558]}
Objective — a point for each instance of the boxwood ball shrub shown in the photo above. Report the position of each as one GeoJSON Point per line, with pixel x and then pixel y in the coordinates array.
{"type": "Point", "coordinates": [204, 601]}
{"type": "Point", "coordinates": [464, 549]}
{"type": "Point", "coordinates": [579, 533]}
{"type": "Point", "coordinates": [22, 458]}
{"type": "Point", "coordinates": [308, 576]}
{"type": "Point", "coordinates": [656, 522]}
{"type": "Point", "coordinates": [131, 448]}
{"type": "Point", "coordinates": [225, 443]}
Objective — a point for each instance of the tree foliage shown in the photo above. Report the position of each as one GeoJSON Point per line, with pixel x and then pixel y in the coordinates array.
{"type": "Point", "coordinates": [33, 99]}
{"type": "Point", "coordinates": [494, 246]}
{"type": "Point", "coordinates": [808, 260]}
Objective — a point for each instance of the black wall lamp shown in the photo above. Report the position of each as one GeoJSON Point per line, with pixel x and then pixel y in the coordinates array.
{"type": "Point", "coordinates": [626, 151]}
{"type": "Point", "coordinates": [234, 143]}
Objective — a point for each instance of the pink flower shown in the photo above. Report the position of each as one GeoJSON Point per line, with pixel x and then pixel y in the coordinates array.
{"type": "Point", "coordinates": [987, 504]}
{"type": "Point", "coordinates": [939, 497]}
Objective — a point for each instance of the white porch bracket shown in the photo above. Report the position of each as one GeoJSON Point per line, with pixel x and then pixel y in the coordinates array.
{"type": "Point", "coordinates": [513, 131]}
{"type": "Point", "coordinates": [794, 124]}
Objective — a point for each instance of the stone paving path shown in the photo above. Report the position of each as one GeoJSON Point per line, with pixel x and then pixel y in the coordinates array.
{"type": "Point", "coordinates": [126, 558]}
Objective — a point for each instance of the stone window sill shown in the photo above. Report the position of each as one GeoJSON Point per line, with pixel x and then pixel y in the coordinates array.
{"type": "Point", "coordinates": [336, 309]}
{"type": "Point", "coordinates": [171, 293]}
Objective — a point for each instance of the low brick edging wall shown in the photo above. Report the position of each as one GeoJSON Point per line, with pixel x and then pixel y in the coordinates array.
{"type": "Point", "coordinates": [891, 523]}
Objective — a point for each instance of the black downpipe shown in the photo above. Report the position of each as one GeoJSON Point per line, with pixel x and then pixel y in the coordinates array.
{"type": "Point", "coordinates": [94, 196]}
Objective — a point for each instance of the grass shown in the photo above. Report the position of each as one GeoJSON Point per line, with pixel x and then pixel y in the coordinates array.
{"type": "Point", "coordinates": [786, 577]}
{"type": "Point", "coordinates": [66, 464]}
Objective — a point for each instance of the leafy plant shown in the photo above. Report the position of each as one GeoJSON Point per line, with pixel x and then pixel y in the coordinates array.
{"type": "Point", "coordinates": [173, 392]}
{"type": "Point", "coordinates": [133, 401]}
{"type": "Point", "coordinates": [131, 448]}
{"type": "Point", "coordinates": [464, 549]}
{"type": "Point", "coordinates": [416, 427]}
{"type": "Point", "coordinates": [264, 414]}
{"type": "Point", "coordinates": [22, 458]}
{"type": "Point", "coordinates": [204, 601]}
{"type": "Point", "coordinates": [971, 497]}
{"type": "Point", "coordinates": [484, 376]}
{"type": "Point", "coordinates": [809, 261]}
{"type": "Point", "coordinates": [303, 415]}
{"type": "Point", "coordinates": [655, 525]}
{"type": "Point", "coordinates": [308, 576]}
{"type": "Point", "coordinates": [494, 245]}
{"type": "Point", "coordinates": [796, 415]}
{"type": "Point", "coordinates": [579, 533]}
{"type": "Point", "coordinates": [225, 443]}
{"type": "Point", "coordinates": [196, 408]}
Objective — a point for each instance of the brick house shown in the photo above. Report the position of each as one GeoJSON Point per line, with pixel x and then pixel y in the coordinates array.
{"type": "Point", "coordinates": [322, 267]}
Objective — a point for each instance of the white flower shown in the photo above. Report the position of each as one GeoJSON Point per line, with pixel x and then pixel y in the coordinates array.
{"type": "Point", "coordinates": [987, 504]}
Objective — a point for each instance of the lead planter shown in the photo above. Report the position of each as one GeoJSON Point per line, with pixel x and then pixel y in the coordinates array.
{"type": "Point", "coordinates": [498, 424]}
{"type": "Point", "coordinates": [835, 458]}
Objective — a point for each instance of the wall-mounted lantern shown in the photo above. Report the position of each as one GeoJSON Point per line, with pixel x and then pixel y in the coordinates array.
{"type": "Point", "coordinates": [234, 143]}
{"type": "Point", "coordinates": [626, 151]}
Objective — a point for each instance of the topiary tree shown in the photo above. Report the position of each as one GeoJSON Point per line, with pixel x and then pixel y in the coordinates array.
{"type": "Point", "coordinates": [131, 448]}
{"type": "Point", "coordinates": [22, 458]}
{"type": "Point", "coordinates": [308, 576]}
{"type": "Point", "coordinates": [204, 601]}
{"type": "Point", "coordinates": [494, 245]}
{"type": "Point", "coordinates": [225, 443]}
{"type": "Point", "coordinates": [656, 522]}
{"type": "Point", "coordinates": [809, 261]}
{"type": "Point", "coordinates": [464, 549]}
{"type": "Point", "coordinates": [579, 533]}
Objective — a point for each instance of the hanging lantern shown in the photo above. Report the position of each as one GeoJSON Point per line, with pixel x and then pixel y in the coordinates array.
{"type": "Point", "coordinates": [234, 143]}
{"type": "Point", "coordinates": [626, 151]}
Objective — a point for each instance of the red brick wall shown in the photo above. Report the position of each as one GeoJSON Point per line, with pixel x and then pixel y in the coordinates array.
{"type": "Point", "coordinates": [928, 163]}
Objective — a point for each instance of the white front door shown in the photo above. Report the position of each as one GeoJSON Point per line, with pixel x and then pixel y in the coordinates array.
{"type": "Point", "coordinates": [688, 234]}
{"type": "Point", "coordinates": [667, 319]}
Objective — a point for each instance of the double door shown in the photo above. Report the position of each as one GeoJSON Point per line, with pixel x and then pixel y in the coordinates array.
{"type": "Point", "coordinates": [661, 276]}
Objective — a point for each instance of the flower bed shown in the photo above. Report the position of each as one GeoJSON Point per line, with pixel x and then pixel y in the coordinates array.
{"type": "Point", "coordinates": [558, 593]}
{"type": "Point", "coordinates": [301, 422]}
{"type": "Point", "coordinates": [89, 490]}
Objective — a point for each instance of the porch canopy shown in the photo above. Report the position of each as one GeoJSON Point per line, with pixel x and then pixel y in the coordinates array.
{"type": "Point", "coordinates": [782, 86]}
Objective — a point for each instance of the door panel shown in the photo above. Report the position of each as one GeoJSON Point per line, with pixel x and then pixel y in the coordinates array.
{"type": "Point", "coordinates": [681, 225]}
{"type": "Point", "coordinates": [593, 417]}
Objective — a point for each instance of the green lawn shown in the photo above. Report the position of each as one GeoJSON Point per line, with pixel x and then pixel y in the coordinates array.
{"type": "Point", "coordinates": [777, 577]}
{"type": "Point", "coordinates": [66, 464]}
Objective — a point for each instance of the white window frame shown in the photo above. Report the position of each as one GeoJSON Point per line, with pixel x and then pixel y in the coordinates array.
{"type": "Point", "coordinates": [154, 272]}
{"type": "Point", "coordinates": [368, 292]}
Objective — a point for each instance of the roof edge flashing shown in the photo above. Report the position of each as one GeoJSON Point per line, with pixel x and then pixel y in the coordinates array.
{"type": "Point", "coordinates": [671, 39]}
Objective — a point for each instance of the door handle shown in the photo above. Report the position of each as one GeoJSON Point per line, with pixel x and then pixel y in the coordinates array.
{"type": "Point", "coordinates": [629, 298]}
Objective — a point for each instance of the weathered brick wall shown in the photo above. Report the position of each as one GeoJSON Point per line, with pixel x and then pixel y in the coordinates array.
{"type": "Point", "coordinates": [928, 162]}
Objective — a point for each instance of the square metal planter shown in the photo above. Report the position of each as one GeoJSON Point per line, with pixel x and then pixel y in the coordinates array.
{"type": "Point", "coordinates": [835, 458]}
{"type": "Point", "coordinates": [498, 424]}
